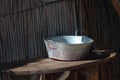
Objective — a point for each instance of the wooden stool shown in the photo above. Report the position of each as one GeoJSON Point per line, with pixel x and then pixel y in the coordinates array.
{"type": "Point", "coordinates": [37, 70]}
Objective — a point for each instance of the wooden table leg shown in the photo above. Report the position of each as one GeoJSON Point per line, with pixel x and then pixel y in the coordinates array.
{"type": "Point", "coordinates": [91, 73]}
{"type": "Point", "coordinates": [64, 75]}
{"type": "Point", "coordinates": [42, 77]}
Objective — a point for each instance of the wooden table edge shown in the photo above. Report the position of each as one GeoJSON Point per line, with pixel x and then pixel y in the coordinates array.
{"type": "Point", "coordinates": [95, 62]}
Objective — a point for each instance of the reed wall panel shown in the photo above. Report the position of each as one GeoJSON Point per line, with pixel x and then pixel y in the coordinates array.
{"type": "Point", "coordinates": [25, 23]}
{"type": "Point", "coordinates": [101, 22]}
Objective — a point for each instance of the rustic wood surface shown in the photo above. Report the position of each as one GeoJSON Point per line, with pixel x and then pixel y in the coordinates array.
{"type": "Point", "coordinates": [46, 66]}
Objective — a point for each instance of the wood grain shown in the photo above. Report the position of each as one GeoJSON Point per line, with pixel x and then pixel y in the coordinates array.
{"type": "Point", "coordinates": [46, 66]}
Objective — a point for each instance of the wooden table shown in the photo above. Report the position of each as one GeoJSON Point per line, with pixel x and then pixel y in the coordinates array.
{"type": "Point", "coordinates": [37, 70]}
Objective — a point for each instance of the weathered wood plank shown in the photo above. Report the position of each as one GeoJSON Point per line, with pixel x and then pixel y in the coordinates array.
{"type": "Point", "coordinates": [47, 66]}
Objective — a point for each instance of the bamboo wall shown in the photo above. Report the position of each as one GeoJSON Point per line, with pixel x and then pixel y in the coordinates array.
{"type": "Point", "coordinates": [25, 23]}
{"type": "Point", "coordinates": [102, 23]}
